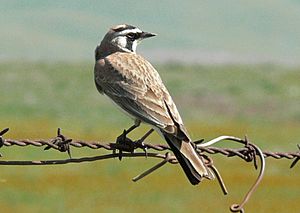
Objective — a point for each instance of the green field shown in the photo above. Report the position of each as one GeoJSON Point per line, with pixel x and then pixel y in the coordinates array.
{"type": "Point", "coordinates": [262, 101]}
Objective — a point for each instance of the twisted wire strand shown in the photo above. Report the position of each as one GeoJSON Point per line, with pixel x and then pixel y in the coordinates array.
{"type": "Point", "coordinates": [240, 152]}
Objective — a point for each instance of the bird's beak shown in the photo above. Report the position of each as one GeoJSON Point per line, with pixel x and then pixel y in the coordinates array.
{"type": "Point", "coordinates": [147, 35]}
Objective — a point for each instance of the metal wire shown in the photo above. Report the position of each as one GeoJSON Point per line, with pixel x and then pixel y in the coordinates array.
{"type": "Point", "coordinates": [63, 144]}
{"type": "Point", "coordinates": [240, 152]}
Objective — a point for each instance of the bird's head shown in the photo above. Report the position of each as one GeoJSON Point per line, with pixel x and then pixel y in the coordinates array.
{"type": "Point", "coordinates": [123, 37]}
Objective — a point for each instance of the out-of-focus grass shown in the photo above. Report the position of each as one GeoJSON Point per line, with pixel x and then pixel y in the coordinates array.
{"type": "Point", "coordinates": [261, 101]}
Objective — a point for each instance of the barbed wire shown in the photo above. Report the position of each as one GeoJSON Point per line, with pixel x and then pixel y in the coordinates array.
{"type": "Point", "coordinates": [56, 143]}
{"type": "Point", "coordinates": [63, 144]}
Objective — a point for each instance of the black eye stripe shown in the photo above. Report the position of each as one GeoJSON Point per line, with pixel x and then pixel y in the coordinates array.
{"type": "Point", "coordinates": [138, 35]}
{"type": "Point", "coordinates": [134, 36]}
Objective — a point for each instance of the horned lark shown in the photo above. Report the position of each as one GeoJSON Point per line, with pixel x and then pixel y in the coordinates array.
{"type": "Point", "coordinates": [136, 87]}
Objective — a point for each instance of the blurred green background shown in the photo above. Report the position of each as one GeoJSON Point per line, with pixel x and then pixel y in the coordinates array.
{"type": "Point", "coordinates": [232, 68]}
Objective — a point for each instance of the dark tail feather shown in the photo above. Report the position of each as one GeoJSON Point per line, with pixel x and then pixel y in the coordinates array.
{"type": "Point", "coordinates": [193, 176]}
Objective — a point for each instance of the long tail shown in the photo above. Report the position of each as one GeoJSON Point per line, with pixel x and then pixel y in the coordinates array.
{"type": "Point", "coordinates": [190, 161]}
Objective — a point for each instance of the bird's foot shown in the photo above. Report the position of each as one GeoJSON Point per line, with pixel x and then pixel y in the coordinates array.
{"type": "Point", "coordinates": [123, 143]}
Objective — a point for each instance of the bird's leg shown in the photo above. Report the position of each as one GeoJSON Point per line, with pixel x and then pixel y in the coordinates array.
{"type": "Point", "coordinates": [124, 140]}
{"type": "Point", "coordinates": [140, 143]}
{"type": "Point", "coordinates": [123, 136]}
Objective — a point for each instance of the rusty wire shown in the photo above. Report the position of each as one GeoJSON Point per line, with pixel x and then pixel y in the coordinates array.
{"type": "Point", "coordinates": [229, 152]}
{"type": "Point", "coordinates": [63, 144]}
{"type": "Point", "coordinates": [56, 143]}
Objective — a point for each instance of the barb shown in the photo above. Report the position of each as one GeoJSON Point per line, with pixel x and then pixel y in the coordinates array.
{"type": "Point", "coordinates": [297, 158]}
{"type": "Point", "coordinates": [62, 143]}
{"type": "Point", "coordinates": [1, 138]}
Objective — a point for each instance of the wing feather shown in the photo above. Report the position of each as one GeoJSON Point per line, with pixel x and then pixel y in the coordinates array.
{"type": "Point", "coordinates": [133, 83]}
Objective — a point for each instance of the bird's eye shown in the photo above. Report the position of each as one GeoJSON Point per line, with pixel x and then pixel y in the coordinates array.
{"type": "Point", "coordinates": [131, 36]}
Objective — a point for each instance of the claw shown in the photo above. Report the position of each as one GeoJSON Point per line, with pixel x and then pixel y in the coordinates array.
{"type": "Point", "coordinates": [123, 144]}
{"type": "Point", "coordinates": [140, 144]}
{"type": "Point", "coordinates": [126, 144]}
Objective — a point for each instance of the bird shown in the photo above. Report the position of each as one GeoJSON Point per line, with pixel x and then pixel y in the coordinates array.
{"type": "Point", "coordinates": [135, 86]}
